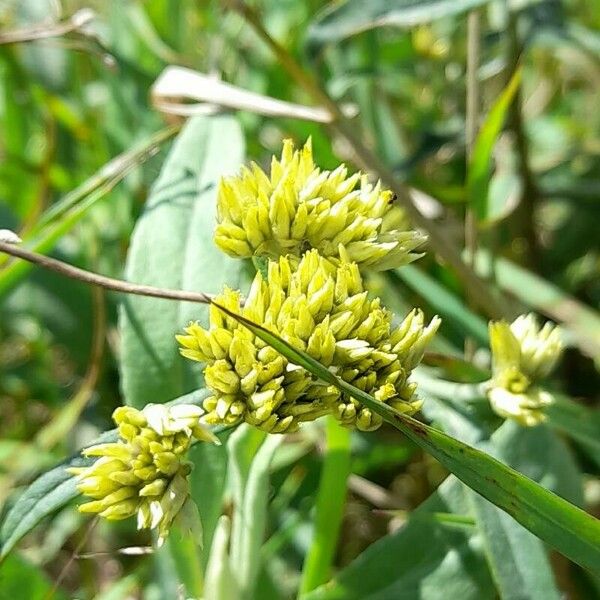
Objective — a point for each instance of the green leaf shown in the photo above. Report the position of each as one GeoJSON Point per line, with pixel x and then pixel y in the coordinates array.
{"type": "Point", "coordinates": [578, 422]}
{"type": "Point", "coordinates": [208, 480]}
{"type": "Point", "coordinates": [517, 558]}
{"type": "Point", "coordinates": [349, 18]}
{"type": "Point", "coordinates": [62, 216]}
{"type": "Point", "coordinates": [428, 558]}
{"type": "Point", "coordinates": [567, 528]}
{"type": "Point", "coordinates": [251, 453]}
{"type": "Point", "coordinates": [449, 306]}
{"type": "Point", "coordinates": [220, 577]}
{"type": "Point", "coordinates": [54, 489]}
{"type": "Point", "coordinates": [172, 247]}
{"type": "Point", "coordinates": [478, 178]}
{"type": "Point", "coordinates": [48, 493]}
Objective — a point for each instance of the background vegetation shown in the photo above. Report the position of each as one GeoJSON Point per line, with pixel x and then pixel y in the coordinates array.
{"type": "Point", "coordinates": [85, 151]}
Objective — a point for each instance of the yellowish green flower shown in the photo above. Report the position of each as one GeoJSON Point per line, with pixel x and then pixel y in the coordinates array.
{"type": "Point", "coordinates": [522, 354]}
{"type": "Point", "coordinates": [298, 207]}
{"type": "Point", "coordinates": [321, 309]}
{"type": "Point", "coordinates": [145, 472]}
{"type": "Point", "coordinates": [513, 397]}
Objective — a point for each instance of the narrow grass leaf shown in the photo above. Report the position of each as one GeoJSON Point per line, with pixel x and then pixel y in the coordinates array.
{"type": "Point", "coordinates": [567, 528]}
{"type": "Point", "coordinates": [478, 177]}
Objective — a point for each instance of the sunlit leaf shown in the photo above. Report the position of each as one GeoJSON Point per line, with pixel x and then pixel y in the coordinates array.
{"type": "Point", "coordinates": [478, 177]}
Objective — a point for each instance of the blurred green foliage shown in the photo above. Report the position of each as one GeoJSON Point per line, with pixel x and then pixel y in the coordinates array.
{"type": "Point", "coordinates": [71, 103]}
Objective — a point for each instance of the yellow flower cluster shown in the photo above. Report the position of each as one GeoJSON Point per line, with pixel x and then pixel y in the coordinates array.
{"type": "Point", "coordinates": [299, 207]}
{"type": "Point", "coordinates": [321, 309]}
{"type": "Point", "coordinates": [145, 472]}
{"type": "Point", "coordinates": [522, 354]}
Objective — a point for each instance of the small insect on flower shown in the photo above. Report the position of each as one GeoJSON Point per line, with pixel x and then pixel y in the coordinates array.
{"type": "Point", "coordinates": [145, 472]}
{"type": "Point", "coordinates": [522, 354]}
{"type": "Point", "coordinates": [298, 207]}
{"type": "Point", "coordinates": [323, 310]}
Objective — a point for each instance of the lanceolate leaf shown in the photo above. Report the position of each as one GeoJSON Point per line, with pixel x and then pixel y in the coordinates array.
{"type": "Point", "coordinates": [67, 212]}
{"type": "Point", "coordinates": [250, 512]}
{"type": "Point", "coordinates": [172, 247]}
{"type": "Point", "coordinates": [451, 308]}
{"type": "Point", "coordinates": [546, 298]}
{"type": "Point", "coordinates": [478, 178]}
{"type": "Point", "coordinates": [48, 493]}
{"type": "Point", "coordinates": [578, 422]}
{"type": "Point", "coordinates": [565, 527]}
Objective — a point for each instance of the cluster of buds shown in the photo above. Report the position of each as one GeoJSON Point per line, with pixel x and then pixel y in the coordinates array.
{"type": "Point", "coordinates": [522, 354]}
{"type": "Point", "coordinates": [322, 309]}
{"type": "Point", "coordinates": [145, 472]}
{"type": "Point", "coordinates": [298, 207]}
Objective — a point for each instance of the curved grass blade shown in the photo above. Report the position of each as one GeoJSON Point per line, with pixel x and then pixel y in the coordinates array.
{"type": "Point", "coordinates": [345, 19]}
{"type": "Point", "coordinates": [567, 528]}
{"type": "Point", "coordinates": [582, 321]}
{"type": "Point", "coordinates": [478, 179]}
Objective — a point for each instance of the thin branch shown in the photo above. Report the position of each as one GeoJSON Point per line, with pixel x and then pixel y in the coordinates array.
{"type": "Point", "coordinates": [39, 32]}
{"type": "Point", "coordinates": [116, 285]}
{"type": "Point", "coordinates": [64, 571]}
{"type": "Point", "coordinates": [472, 126]}
{"type": "Point", "coordinates": [438, 238]}
{"type": "Point", "coordinates": [524, 216]}
{"type": "Point", "coordinates": [472, 120]}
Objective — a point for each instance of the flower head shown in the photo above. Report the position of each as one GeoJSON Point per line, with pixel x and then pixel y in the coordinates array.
{"type": "Point", "coordinates": [145, 472]}
{"type": "Point", "coordinates": [522, 354]}
{"type": "Point", "coordinates": [512, 397]}
{"type": "Point", "coordinates": [298, 207]}
{"type": "Point", "coordinates": [321, 309]}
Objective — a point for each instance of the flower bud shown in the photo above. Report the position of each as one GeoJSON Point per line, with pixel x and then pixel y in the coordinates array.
{"type": "Point", "coordinates": [322, 309]}
{"type": "Point", "coordinates": [143, 473]}
{"type": "Point", "coordinates": [298, 207]}
{"type": "Point", "coordinates": [522, 354]}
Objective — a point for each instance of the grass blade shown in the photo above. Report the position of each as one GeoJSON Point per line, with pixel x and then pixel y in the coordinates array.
{"type": "Point", "coordinates": [478, 178]}
{"type": "Point", "coordinates": [567, 528]}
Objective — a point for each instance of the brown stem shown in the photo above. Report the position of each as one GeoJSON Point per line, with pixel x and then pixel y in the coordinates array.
{"type": "Point", "coordinates": [472, 120]}
{"type": "Point", "coordinates": [116, 285]}
{"type": "Point", "coordinates": [438, 238]}
{"type": "Point", "coordinates": [524, 216]}
{"type": "Point", "coordinates": [472, 125]}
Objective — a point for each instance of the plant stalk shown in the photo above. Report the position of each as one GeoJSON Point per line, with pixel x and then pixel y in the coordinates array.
{"type": "Point", "coordinates": [472, 126]}
{"type": "Point", "coordinates": [331, 499]}
{"type": "Point", "coordinates": [116, 285]}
